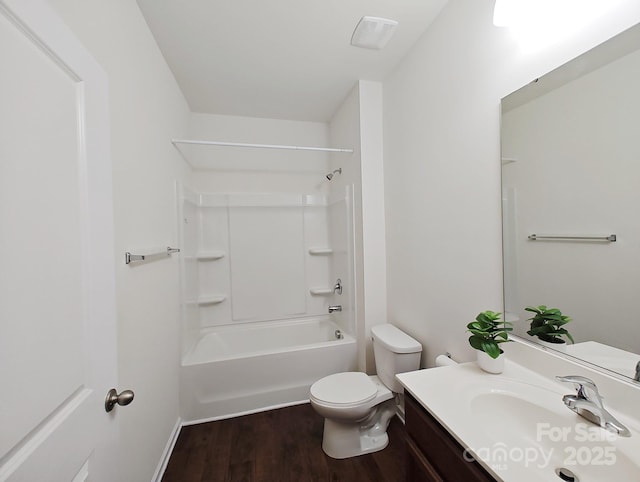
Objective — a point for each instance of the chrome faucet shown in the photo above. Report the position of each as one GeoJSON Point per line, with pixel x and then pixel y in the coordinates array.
{"type": "Point", "coordinates": [334, 308]}
{"type": "Point", "coordinates": [337, 288]}
{"type": "Point", "coordinates": [637, 377]}
{"type": "Point", "coordinates": [588, 404]}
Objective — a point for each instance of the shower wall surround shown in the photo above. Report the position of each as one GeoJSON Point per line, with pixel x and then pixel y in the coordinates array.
{"type": "Point", "coordinates": [252, 257]}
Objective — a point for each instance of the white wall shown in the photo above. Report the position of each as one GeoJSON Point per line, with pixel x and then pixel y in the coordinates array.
{"type": "Point", "coordinates": [147, 110]}
{"type": "Point", "coordinates": [442, 169]}
{"type": "Point", "coordinates": [373, 219]}
{"type": "Point", "coordinates": [358, 124]}
{"type": "Point", "coordinates": [231, 169]}
{"type": "Point", "coordinates": [344, 131]}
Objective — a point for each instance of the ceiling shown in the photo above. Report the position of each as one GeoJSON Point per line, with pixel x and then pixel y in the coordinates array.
{"type": "Point", "coordinates": [281, 59]}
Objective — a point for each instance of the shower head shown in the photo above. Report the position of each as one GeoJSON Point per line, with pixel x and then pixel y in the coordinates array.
{"type": "Point", "coordinates": [331, 174]}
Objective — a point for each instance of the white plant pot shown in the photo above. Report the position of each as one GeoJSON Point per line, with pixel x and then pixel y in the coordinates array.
{"type": "Point", "coordinates": [561, 347]}
{"type": "Point", "coordinates": [490, 365]}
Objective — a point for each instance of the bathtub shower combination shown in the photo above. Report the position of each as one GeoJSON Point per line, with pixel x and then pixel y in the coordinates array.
{"type": "Point", "coordinates": [259, 273]}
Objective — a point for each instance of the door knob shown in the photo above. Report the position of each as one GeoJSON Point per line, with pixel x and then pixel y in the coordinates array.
{"type": "Point", "coordinates": [113, 397]}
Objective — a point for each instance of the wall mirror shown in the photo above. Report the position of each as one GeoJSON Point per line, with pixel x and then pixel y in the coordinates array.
{"type": "Point", "coordinates": [571, 180]}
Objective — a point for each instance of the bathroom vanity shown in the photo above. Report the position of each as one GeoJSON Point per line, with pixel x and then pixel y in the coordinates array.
{"type": "Point", "coordinates": [463, 424]}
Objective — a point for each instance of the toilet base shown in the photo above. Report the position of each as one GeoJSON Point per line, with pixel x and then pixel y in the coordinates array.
{"type": "Point", "coordinates": [343, 440]}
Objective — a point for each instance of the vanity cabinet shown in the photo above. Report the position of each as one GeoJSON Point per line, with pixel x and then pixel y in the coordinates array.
{"type": "Point", "coordinates": [433, 455]}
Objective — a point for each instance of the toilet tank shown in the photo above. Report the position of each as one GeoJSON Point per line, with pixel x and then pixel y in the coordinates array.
{"type": "Point", "coordinates": [394, 352]}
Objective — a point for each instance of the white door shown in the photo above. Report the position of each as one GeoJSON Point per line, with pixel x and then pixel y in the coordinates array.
{"type": "Point", "coordinates": [57, 296]}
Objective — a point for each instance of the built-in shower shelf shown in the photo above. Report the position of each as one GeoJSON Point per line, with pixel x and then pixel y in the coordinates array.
{"type": "Point", "coordinates": [210, 255]}
{"type": "Point", "coordinates": [320, 251]}
{"type": "Point", "coordinates": [209, 300]}
{"type": "Point", "coordinates": [321, 291]}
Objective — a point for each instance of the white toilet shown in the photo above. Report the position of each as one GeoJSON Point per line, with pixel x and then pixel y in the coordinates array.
{"type": "Point", "coordinates": [357, 407]}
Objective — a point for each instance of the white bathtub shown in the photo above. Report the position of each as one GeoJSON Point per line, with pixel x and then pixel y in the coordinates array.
{"type": "Point", "coordinates": [233, 370]}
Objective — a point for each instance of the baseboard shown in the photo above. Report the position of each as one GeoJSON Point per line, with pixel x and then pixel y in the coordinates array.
{"type": "Point", "coordinates": [245, 412]}
{"type": "Point", "coordinates": [166, 454]}
{"type": "Point", "coordinates": [228, 405]}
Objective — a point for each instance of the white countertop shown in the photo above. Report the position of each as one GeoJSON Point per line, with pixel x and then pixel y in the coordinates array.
{"type": "Point", "coordinates": [516, 425]}
{"type": "Point", "coordinates": [605, 356]}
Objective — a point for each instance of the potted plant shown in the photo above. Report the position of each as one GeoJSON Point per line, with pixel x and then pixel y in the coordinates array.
{"type": "Point", "coordinates": [487, 333]}
{"type": "Point", "coordinates": [548, 325]}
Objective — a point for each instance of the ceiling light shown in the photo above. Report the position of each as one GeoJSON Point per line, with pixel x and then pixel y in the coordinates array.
{"type": "Point", "coordinates": [503, 13]}
{"type": "Point", "coordinates": [373, 32]}
{"type": "Point", "coordinates": [540, 23]}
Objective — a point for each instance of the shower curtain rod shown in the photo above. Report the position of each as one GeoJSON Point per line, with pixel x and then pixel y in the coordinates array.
{"type": "Point", "coordinates": [259, 146]}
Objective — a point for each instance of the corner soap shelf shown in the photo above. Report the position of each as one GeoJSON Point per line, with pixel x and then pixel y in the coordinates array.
{"type": "Point", "coordinates": [208, 300]}
{"type": "Point", "coordinates": [210, 255]}
{"type": "Point", "coordinates": [320, 251]}
{"type": "Point", "coordinates": [321, 291]}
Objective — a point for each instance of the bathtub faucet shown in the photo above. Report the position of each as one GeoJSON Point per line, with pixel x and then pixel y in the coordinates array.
{"type": "Point", "coordinates": [333, 308]}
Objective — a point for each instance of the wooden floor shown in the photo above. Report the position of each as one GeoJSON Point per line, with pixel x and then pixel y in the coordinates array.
{"type": "Point", "coordinates": [281, 445]}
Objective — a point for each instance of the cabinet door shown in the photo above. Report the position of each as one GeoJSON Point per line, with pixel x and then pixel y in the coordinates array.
{"type": "Point", "coordinates": [418, 467]}
{"type": "Point", "coordinates": [441, 451]}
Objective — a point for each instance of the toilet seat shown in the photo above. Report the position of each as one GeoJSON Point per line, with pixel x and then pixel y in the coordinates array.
{"type": "Point", "coordinates": [344, 389]}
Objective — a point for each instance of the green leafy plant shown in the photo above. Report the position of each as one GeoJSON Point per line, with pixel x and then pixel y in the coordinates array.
{"type": "Point", "coordinates": [487, 332]}
{"type": "Point", "coordinates": [547, 324]}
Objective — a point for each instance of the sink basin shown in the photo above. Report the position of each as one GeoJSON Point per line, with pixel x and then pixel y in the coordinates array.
{"type": "Point", "coordinates": [546, 440]}
{"type": "Point", "coordinates": [517, 426]}
{"type": "Point", "coordinates": [517, 416]}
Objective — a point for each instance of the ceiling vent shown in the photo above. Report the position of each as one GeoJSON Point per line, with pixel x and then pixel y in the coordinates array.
{"type": "Point", "coordinates": [373, 32]}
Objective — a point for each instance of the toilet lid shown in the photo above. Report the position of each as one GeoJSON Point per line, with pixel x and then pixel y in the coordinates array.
{"type": "Point", "coordinates": [346, 388]}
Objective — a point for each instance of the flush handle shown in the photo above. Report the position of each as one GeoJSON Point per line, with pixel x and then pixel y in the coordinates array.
{"type": "Point", "coordinates": [122, 399]}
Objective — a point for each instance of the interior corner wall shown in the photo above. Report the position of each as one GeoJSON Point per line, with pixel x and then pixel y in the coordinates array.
{"type": "Point", "coordinates": [358, 124]}
{"type": "Point", "coordinates": [442, 166]}
{"type": "Point", "coordinates": [373, 214]}
{"type": "Point", "coordinates": [344, 131]}
{"type": "Point", "coordinates": [147, 109]}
